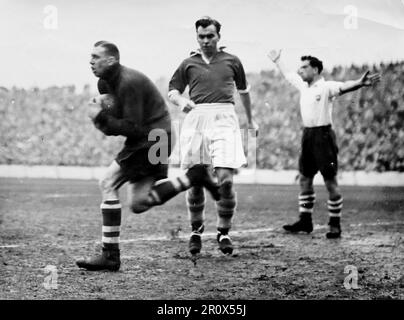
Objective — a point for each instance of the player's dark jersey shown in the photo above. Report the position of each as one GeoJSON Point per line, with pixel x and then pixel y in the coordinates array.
{"type": "Point", "coordinates": [211, 82]}
{"type": "Point", "coordinates": [141, 108]}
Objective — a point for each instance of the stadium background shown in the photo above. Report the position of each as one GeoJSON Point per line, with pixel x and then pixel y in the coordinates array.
{"type": "Point", "coordinates": [50, 126]}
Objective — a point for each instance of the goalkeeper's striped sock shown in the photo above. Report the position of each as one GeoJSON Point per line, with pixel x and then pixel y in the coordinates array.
{"type": "Point", "coordinates": [111, 224]}
{"type": "Point", "coordinates": [306, 204]}
{"type": "Point", "coordinates": [164, 190]}
{"type": "Point", "coordinates": [334, 210]}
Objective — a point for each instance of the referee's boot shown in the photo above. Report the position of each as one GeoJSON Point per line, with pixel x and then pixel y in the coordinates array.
{"type": "Point", "coordinates": [304, 224]}
{"type": "Point", "coordinates": [200, 175]}
{"type": "Point", "coordinates": [224, 241]}
{"type": "Point", "coordinates": [334, 229]}
{"type": "Point", "coordinates": [195, 241]}
{"type": "Point", "coordinates": [108, 260]}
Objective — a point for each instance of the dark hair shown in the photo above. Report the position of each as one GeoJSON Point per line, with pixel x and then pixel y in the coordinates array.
{"type": "Point", "coordinates": [314, 62]}
{"type": "Point", "coordinates": [110, 48]}
{"type": "Point", "coordinates": [207, 21]}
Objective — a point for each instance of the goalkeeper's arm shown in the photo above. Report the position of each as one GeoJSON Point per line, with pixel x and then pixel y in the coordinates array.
{"type": "Point", "coordinates": [112, 126]}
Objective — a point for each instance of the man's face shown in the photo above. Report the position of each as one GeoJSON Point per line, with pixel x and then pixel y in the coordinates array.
{"type": "Point", "coordinates": [306, 71]}
{"type": "Point", "coordinates": [100, 62]}
{"type": "Point", "coordinates": [207, 38]}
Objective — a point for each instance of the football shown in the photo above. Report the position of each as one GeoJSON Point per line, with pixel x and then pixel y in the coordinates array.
{"type": "Point", "coordinates": [108, 104]}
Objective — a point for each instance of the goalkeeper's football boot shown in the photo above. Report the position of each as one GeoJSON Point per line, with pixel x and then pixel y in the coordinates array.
{"type": "Point", "coordinates": [195, 241]}
{"type": "Point", "coordinates": [224, 241]}
{"type": "Point", "coordinates": [201, 175]}
{"type": "Point", "coordinates": [335, 228]}
{"type": "Point", "coordinates": [107, 260]}
{"type": "Point", "coordinates": [303, 224]}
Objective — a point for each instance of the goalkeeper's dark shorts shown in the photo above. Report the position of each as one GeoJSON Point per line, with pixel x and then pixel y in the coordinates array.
{"type": "Point", "coordinates": [319, 152]}
{"type": "Point", "coordinates": [151, 161]}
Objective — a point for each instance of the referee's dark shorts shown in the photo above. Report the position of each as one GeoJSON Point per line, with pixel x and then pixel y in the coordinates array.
{"type": "Point", "coordinates": [319, 152]}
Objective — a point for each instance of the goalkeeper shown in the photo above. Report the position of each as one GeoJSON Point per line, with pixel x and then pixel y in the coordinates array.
{"type": "Point", "coordinates": [139, 113]}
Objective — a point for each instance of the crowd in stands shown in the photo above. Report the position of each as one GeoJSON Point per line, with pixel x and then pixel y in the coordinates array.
{"type": "Point", "coordinates": [50, 126]}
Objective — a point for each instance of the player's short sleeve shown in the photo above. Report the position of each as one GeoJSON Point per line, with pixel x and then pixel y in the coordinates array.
{"type": "Point", "coordinates": [295, 80]}
{"type": "Point", "coordinates": [239, 76]}
{"type": "Point", "coordinates": [334, 88]}
{"type": "Point", "coordinates": [179, 79]}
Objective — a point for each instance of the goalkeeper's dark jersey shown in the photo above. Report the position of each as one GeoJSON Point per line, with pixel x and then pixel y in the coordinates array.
{"type": "Point", "coordinates": [141, 108]}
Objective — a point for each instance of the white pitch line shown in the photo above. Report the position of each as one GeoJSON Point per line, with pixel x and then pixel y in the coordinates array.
{"type": "Point", "coordinates": [213, 234]}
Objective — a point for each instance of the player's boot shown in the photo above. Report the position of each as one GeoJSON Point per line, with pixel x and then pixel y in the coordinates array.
{"type": "Point", "coordinates": [195, 241]}
{"type": "Point", "coordinates": [200, 175]}
{"type": "Point", "coordinates": [107, 260]}
{"type": "Point", "coordinates": [303, 224]}
{"type": "Point", "coordinates": [224, 241]}
{"type": "Point", "coordinates": [335, 229]}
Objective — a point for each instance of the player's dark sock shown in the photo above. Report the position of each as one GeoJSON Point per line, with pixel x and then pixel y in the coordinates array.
{"type": "Point", "coordinates": [111, 224]}
{"type": "Point", "coordinates": [306, 205]}
{"type": "Point", "coordinates": [305, 224]}
{"type": "Point", "coordinates": [226, 207]}
{"type": "Point", "coordinates": [224, 240]}
{"type": "Point", "coordinates": [195, 200]}
{"type": "Point", "coordinates": [164, 190]}
{"type": "Point", "coordinates": [334, 210]}
{"type": "Point", "coordinates": [109, 259]}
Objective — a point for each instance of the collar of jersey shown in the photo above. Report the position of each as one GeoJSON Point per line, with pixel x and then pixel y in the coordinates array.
{"type": "Point", "coordinates": [320, 80]}
{"type": "Point", "coordinates": [199, 52]}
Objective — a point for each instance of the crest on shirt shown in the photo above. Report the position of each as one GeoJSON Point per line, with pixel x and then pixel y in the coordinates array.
{"type": "Point", "coordinates": [318, 97]}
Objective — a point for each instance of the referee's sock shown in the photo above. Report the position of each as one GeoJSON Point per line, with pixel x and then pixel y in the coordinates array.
{"type": "Point", "coordinates": [111, 224]}
{"type": "Point", "coordinates": [334, 210]}
{"type": "Point", "coordinates": [306, 205]}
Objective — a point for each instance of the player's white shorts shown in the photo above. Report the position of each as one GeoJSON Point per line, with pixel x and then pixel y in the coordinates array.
{"type": "Point", "coordinates": [211, 135]}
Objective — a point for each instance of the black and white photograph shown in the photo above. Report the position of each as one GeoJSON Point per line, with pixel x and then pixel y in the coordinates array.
{"type": "Point", "coordinates": [218, 152]}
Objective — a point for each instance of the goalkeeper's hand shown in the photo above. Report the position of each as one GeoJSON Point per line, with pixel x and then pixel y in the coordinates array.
{"type": "Point", "coordinates": [94, 108]}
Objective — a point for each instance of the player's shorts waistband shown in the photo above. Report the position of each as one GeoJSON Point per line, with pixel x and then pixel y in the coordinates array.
{"type": "Point", "coordinates": [319, 128]}
{"type": "Point", "coordinates": [213, 107]}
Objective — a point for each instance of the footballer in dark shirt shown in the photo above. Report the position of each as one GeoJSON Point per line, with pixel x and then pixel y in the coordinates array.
{"type": "Point", "coordinates": [211, 133]}
{"type": "Point", "coordinates": [139, 113]}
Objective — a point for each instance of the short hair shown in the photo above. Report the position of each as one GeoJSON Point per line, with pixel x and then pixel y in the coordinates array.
{"type": "Point", "coordinates": [314, 62]}
{"type": "Point", "coordinates": [207, 21]}
{"type": "Point", "coordinates": [110, 48]}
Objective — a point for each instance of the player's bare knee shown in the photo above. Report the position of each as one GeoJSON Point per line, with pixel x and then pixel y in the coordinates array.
{"type": "Point", "coordinates": [333, 188]}
{"type": "Point", "coordinates": [105, 184]}
{"type": "Point", "coordinates": [306, 184]}
{"type": "Point", "coordinates": [226, 187]}
{"type": "Point", "coordinates": [107, 190]}
{"type": "Point", "coordinates": [195, 192]}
